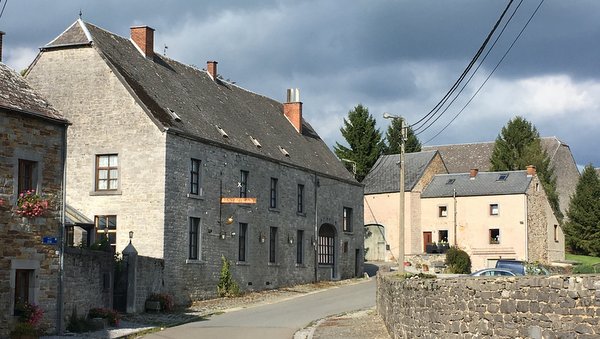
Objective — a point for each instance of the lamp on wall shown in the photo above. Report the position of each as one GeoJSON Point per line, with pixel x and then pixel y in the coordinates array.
{"type": "Point", "coordinates": [290, 239]}
{"type": "Point", "coordinates": [261, 237]}
{"type": "Point", "coordinates": [312, 241]}
{"type": "Point", "coordinates": [130, 236]}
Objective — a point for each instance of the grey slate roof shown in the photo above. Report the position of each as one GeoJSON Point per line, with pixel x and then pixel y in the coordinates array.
{"type": "Point", "coordinates": [461, 158]}
{"type": "Point", "coordinates": [485, 183]}
{"type": "Point", "coordinates": [17, 95]}
{"type": "Point", "coordinates": [163, 85]}
{"type": "Point", "coordinates": [384, 177]}
{"type": "Point", "coordinates": [74, 217]}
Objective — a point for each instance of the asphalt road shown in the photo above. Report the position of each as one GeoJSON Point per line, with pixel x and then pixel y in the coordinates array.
{"type": "Point", "coordinates": [277, 320]}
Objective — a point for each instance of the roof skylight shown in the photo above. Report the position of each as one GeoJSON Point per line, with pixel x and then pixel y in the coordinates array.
{"type": "Point", "coordinates": [222, 131]}
{"type": "Point", "coordinates": [283, 151]}
{"type": "Point", "coordinates": [502, 177]}
{"type": "Point", "coordinates": [255, 142]}
{"type": "Point", "coordinates": [450, 181]}
{"type": "Point", "coordinates": [173, 114]}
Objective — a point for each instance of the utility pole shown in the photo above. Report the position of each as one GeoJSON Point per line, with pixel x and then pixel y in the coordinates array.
{"type": "Point", "coordinates": [400, 192]}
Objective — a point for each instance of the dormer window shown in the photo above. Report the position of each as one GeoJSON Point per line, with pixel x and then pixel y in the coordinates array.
{"type": "Point", "coordinates": [502, 177]}
{"type": "Point", "coordinates": [222, 131]}
{"type": "Point", "coordinates": [450, 181]}
{"type": "Point", "coordinates": [173, 114]}
{"type": "Point", "coordinates": [283, 151]}
{"type": "Point", "coordinates": [255, 142]}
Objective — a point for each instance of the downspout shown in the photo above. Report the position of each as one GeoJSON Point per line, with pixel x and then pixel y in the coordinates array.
{"type": "Point", "coordinates": [316, 237]}
{"type": "Point", "coordinates": [454, 196]}
{"type": "Point", "coordinates": [526, 203]}
{"type": "Point", "coordinates": [61, 236]}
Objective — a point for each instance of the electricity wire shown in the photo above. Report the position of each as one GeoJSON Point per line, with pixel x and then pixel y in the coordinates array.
{"type": "Point", "coordinates": [4, 6]}
{"type": "Point", "coordinates": [490, 75]}
{"type": "Point", "coordinates": [474, 72]}
{"type": "Point", "coordinates": [464, 73]}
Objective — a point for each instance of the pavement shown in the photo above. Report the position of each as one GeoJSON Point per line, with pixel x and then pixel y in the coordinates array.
{"type": "Point", "coordinates": [356, 324]}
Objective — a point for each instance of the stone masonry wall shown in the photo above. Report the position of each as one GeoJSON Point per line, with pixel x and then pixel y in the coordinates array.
{"type": "Point", "coordinates": [469, 307]}
{"type": "Point", "coordinates": [149, 279]}
{"type": "Point", "coordinates": [25, 137]}
{"type": "Point", "coordinates": [88, 281]}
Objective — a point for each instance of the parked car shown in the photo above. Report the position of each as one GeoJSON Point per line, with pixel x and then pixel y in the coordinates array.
{"type": "Point", "coordinates": [493, 272]}
{"type": "Point", "coordinates": [522, 267]}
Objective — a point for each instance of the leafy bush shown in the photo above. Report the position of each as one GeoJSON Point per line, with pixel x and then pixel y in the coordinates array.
{"type": "Point", "coordinates": [111, 315]}
{"type": "Point", "coordinates": [166, 301]}
{"type": "Point", "coordinates": [458, 261]}
{"type": "Point", "coordinates": [586, 269]}
{"type": "Point", "coordinates": [227, 287]}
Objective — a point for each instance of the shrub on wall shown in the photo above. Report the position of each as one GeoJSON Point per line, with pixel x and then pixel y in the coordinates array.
{"type": "Point", "coordinates": [458, 261]}
{"type": "Point", "coordinates": [227, 287]}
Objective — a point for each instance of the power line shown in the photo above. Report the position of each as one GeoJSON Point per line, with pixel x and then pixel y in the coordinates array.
{"type": "Point", "coordinates": [2, 12]}
{"type": "Point", "coordinates": [464, 73]}
{"type": "Point", "coordinates": [490, 75]}
{"type": "Point", "coordinates": [474, 72]}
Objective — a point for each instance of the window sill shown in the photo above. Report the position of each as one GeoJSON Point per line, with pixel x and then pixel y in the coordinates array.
{"type": "Point", "coordinates": [494, 243]}
{"type": "Point", "coordinates": [348, 232]}
{"type": "Point", "coordinates": [107, 192]}
{"type": "Point", "coordinates": [274, 210]}
{"type": "Point", "coordinates": [195, 196]}
{"type": "Point", "coordinates": [300, 265]}
{"type": "Point", "coordinates": [273, 264]}
{"type": "Point", "coordinates": [301, 214]}
{"type": "Point", "coordinates": [242, 263]}
{"type": "Point", "coordinates": [195, 261]}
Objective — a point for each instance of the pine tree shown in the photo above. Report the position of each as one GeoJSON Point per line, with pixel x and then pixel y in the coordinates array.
{"type": "Point", "coordinates": [364, 140]}
{"type": "Point", "coordinates": [393, 136]}
{"type": "Point", "coordinates": [582, 230]}
{"type": "Point", "coordinates": [519, 145]}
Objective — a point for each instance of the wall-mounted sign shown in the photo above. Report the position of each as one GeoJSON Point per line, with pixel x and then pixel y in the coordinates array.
{"type": "Point", "coordinates": [50, 240]}
{"type": "Point", "coordinates": [238, 200]}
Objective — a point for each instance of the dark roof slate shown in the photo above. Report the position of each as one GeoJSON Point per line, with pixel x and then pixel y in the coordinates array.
{"type": "Point", "coordinates": [384, 177]}
{"type": "Point", "coordinates": [186, 100]}
{"type": "Point", "coordinates": [484, 183]}
{"type": "Point", "coordinates": [17, 95]}
{"type": "Point", "coordinates": [76, 34]}
{"type": "Point", "coordinates": [461, 158]}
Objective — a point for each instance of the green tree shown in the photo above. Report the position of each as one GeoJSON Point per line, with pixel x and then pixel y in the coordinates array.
{"type": "Point", "coordinates": [363, 138]}
{"type": "Point", "coordinates": [582, 229]}
{"type": "Point", "coordinates": [393, 136]}
{"type": "Point", "coordinates": [519, 145]}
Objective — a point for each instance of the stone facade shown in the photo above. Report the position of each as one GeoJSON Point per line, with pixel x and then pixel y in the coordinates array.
{"type": "Point", "coordinates": [24, 259]}
{"type": "Point", "coordinates": [111, 114]}
{"type": "Point", "coordinates": [498, 307]}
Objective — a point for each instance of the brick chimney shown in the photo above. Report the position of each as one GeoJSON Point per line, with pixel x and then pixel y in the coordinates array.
{"type": "Point", "coordinates": [473, 173]}
{"type": "Point", "coordinates": [143, 37]}
{"type": "Point", "coordinates": [211, 68]}
{"type": "Point", "coordinates": [292, 109]}
{"type": "Point", "coordinates": [531, 170]}
{"type": "Point", "coordinates": [1, 36]}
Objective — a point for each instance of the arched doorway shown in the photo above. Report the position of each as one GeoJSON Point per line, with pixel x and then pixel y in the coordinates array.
{"type": "Point", "coordinates": [326, 248]}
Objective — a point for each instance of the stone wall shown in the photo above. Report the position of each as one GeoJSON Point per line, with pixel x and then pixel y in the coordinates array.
{"type": "Point", "coordinates": [88, 281]}
{"type": "Point", "coordinates": [149, 279]}
{"type": "Point", "coordinates": [469, 307]}
{"type": "Point", "coordinates": [29, 138]}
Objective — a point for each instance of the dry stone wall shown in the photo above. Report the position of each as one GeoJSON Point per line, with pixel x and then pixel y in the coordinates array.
{"type": "Point", "coordinates": [511, 307]}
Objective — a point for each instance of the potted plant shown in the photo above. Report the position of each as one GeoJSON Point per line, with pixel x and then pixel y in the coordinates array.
{"type": "Point", "coordinates": [160, 301]}
{"type": "Point", "coordinates": [443, 247]}
{"type": "Point", "coordinates": [431, 248]}
{"type": "Point", "coordinates": [31, 205]}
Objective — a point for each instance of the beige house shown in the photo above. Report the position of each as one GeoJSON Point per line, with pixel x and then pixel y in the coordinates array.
{"type": "Point", "coordinates": [460, 158]}
{"type": "Point", "coordinates": [381, 202]}
{"type": "Point", "coordinates": [491, 215]}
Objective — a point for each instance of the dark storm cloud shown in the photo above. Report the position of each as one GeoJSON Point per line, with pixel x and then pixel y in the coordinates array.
{"type": "Point", "coordinates": [396, 56]}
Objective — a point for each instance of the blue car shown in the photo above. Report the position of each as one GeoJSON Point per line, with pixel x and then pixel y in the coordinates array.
{"type": "Point", "coordinates": [493, 272]}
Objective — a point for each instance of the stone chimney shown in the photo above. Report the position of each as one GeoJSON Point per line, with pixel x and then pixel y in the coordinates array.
{"type": "Point", "coordinates": [473, 173]}
{"type": "Point", "coordinates": [211, 68]}
{"type": "Point", "coordinates": [292, 109]}
{"type": "Point", "coordinates": [531, 171]}
{"type": "Point", "coordinates": [143, 37]}
{"type": "Point", "coordinates": [1, 36]}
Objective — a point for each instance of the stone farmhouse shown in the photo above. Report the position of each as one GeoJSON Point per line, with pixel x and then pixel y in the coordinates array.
{"type": "Point", "coordinates": [33, 138]}
{"type": "Point", "coordinates": [492, 215]}
{"type": "Point", "coordinates": [382, 202]}
{"type": "Point", "coordinates": [197, 167]}
{"type": "Point", "coordinates": [461, 158]}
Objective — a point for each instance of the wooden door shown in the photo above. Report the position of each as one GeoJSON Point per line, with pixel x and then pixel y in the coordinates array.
{"type": "Point", "coordinates": [427, 239]}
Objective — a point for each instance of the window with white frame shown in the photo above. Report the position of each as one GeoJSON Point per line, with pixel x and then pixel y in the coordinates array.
{"type": "Point", "coordinates": [494, 235]}
{"type": "Point", "coordinates": [442, 211]}
{"type": "Point", "coordinates": [347, 219]}
{"type": "Point", "coordinates": [106, 229]}
{"type": "Point", "coordinates": [107, 172]}
{"type": "Point", "coordinates": [494, 209]}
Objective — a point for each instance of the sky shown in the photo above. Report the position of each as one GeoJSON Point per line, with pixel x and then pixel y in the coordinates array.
{"type": "Point", "coordinates": [397, 56]}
